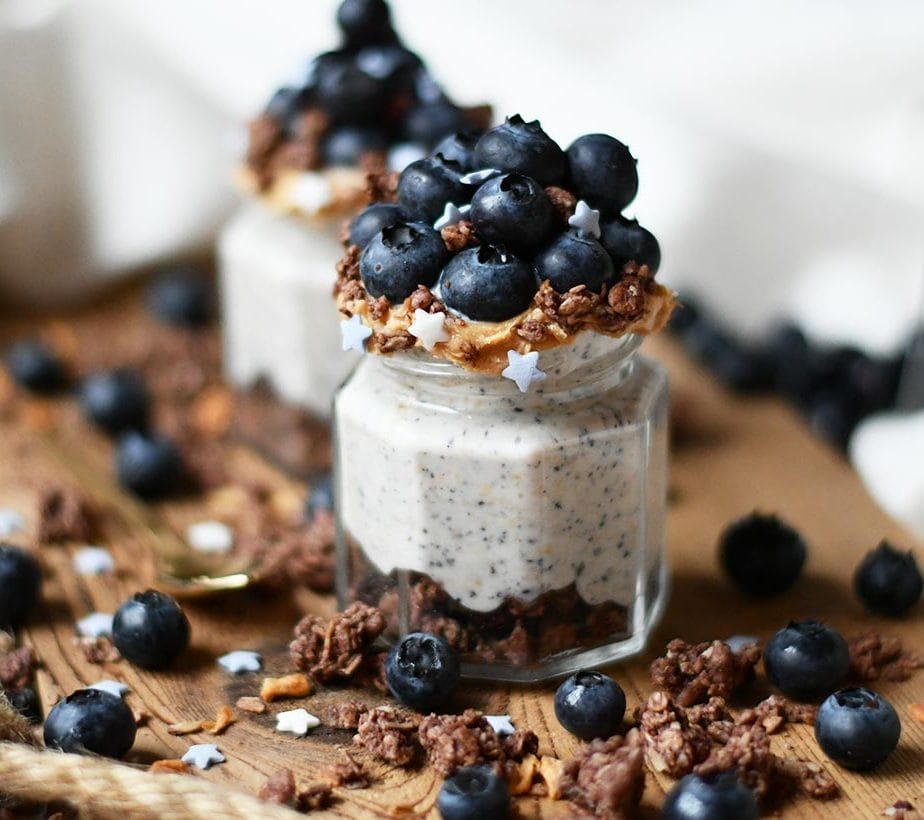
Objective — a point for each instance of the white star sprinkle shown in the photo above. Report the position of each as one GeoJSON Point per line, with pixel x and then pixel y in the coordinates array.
{"type": "Point", "coordinates": [311, 192]}
{"type": "Point", "coordinates": [210, 536]}
{"type": "Point", "coordinates": [451, 216]}
{"type": "Point", "coordinates": [523, 370]}
{"type": "Point", "coordinates": [429, 328]}
{"type": "Point", "coordinates": [737, 642]}
{"type": "Point", "coordinates": [95, 625]}
{"type": "Point", "coordinates": [403, 154]}
{"type": "Point", "coordinates": [500, 724]}
{"type": "Point", "coordinates": [586, 220]}
{"type": "Point", "coordinates": [296, 721]}
{"type": "Point", "coordinates": [241, 660]}
{"type": "Point", "coordinates": [203, 756]}
{"type": "Point", "coordinates": [93, 561]}
{"type": "Point", "coordinates": [113, 687]}
{"type": "Point", "coordinates": [11, 522]}
{"type": "Point", "coordinates": [354, 334]}
{"type": "Point", "coordinates": [477, 177]}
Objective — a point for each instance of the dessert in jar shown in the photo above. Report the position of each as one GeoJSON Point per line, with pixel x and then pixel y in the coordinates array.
{"type": "Point", "coordinates": [501, 469]}
{"type": "Point", "coordinates": [367, 106]}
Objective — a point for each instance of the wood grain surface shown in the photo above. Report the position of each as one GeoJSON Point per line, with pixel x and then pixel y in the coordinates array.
{"type": "Point", "coordinates": [736, 455]}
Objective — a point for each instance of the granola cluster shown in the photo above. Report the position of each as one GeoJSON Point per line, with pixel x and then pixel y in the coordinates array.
{"type": "Point", "coordinates": [607, 777]}
{"type": "Point", "coordinates": [337, 648]}
{"type": "Point", "coordinates": [696, 672]}
{"type": "Point", "coordinates": [874, 656]}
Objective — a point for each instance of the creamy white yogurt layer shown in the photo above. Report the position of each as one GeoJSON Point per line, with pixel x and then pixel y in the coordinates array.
{"type": "Point", "coordinates": [275, 275]}
{"type": "Point", "coordinates": [494, 493]}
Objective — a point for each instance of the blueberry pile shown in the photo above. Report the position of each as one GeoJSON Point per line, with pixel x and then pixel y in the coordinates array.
{"type": "Point", "coordinates": [499, 181]}
{"type": "Point", "coordinates": [373, 92]}
{"type": "Point", "coordinates": [834, 387]}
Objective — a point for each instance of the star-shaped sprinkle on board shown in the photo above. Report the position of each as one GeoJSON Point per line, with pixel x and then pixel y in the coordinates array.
{"type": "Point", "coordinates": [354, 334]}
{"type": "Point", "coordinates": [93, 561]}
{"type": "Point", "coordinates": [310, 192]}
{"type": "Point", "coordinates": [11, 522]}
{"type": "Point", "coordinates": [113, 687]}
{"type": "Point", "coordinates": [240, 661]}
{"type": "Point", "coordinates": [296, 722]}
{"type": "Point", "coordinates": [477, 177]}
{"type": "Point", "coordinates": [586, 220]}
{"type": "Point", "coordinates": [523, 369]}
{"type": "Point", "coordinates": [203, 756]}
{"type": "Point", "coordinates": [210, 536]}
{"type": "Point", "coordinates": [500, 724]}
{"type": "Point", "coordinates": [95, 625]}
{"type": "Point", "coordinates": [430, 328]}
{"type": "Point", "coordinates": [452, 216]}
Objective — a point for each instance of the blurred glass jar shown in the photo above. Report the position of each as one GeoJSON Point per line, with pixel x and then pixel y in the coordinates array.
{"type": "Point", "coordinates": [526, 529]}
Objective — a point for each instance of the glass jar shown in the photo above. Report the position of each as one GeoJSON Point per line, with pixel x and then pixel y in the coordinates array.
{"type": "Point", "coordinates": [274, 274]}
{"type": "Point", "coordinates": [526, 529]}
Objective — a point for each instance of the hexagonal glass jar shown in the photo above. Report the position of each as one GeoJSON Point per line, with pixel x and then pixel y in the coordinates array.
{"type": "Point", "coordinates": [527, 529]}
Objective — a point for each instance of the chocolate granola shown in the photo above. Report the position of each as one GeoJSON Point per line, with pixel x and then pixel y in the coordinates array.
{"type": "Point", "coordinates": [672, 743]}
{"type": "Point", "coordinates": [607, 777]}
{"type": "Point", "coordinates": [390, 733]}
{"type": "Point", "coordinates": [695, 672]}
{"type": "Point", "coordinates": [346, 772]}
{"type": "Point", "coordinates": [65, 515]}
{"type": "Point", "coordinates": [454, 741]}
{"type": "Point", "coordinates": [345, 714]}
{"type": "Point", "coordinates": [336, 648]}
{"type": "Point", "coordinates": [874, 656]}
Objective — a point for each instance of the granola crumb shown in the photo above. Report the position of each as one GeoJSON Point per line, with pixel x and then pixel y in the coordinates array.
{"type": "Point", "coordinates": [346, 772]}
{"type": "Point", "coordinates": [251, 704]}
{"type": "Point", "coordinates": [295, 685]}
{"type": "Point", "coordinates": [170, 765]}
{"type": "Point", "coordinates": [607, 777]}
{"type": "Point", "coordinates": [563, 201]}
{"type": "Point", "coordinates": [672, 744]}
{"type": "Point", "coordinates": [747, 751]}
{"type": "Point", "coordinates": [346, 714]}
{"type": "Point", "coordinates": [389, 733]}
{"type": "Point", "coordinates": [774, 712]}
{"type": "Point", "coordinates": [336, 648]}
{"type": "Point", "coordinates": [696, 672]}
{"type": "Point", "coordinates": [521, 744]}
{"type": "Point", "coordinates": [16, 667]}
{"type": "Point", "coordinates": [65, 515]}
{"type": "Point", "coordinates": [454, 741]}
{"type": "Point", "coordinates": [314, 796]}
{"type": "Point", "coordinates": [459, 236]}
{"type": "Point", "coordinates": [98, 650]}
{"type": "Point", "coordinates": [874, 656]}
{"type": "Point", "coordinates": [279, 788]}
{"type": "Point", "coordinates": [902, 810]}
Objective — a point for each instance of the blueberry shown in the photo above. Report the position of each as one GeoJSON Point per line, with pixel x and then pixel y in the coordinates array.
{"type": "Point", "coordinates": [590, 704]}
{"type": "Point", "coordinates": [35, 366]}
{"type": "Point", "coordinates": [393, 63]}
{"type": "Point", "coordinates": [857, 728]}
{"type": "Point", "coordinates": [487, 285]}
{"type": "Point", "coordinates": [790, 354]}
{"type": "Point", "coordinates": [713, 797]}
{"type": "Point", "coordinates": [460, 148]}
{"type": "Point", "coordinates": [20, 583]}
{"type": "Point", "coordinates": [320, 497]}
{"type": "Point", "coordinates": [627, 241]}
{"type": "Point", "coordinates": [372, 220]}
{"type": "Point", "coordinates": [806, 660]}
{"type": "Point", "coordinates": [428, 184]}
{"type": "Point", "coordinates": [148, 465]}
{"type": "Point", "coordinates": [888, 581]}
{"type": "Point", "coordinates": [150, 629]}
{"type": "Point", "coordinates": [523, 147]}
{"type": "Point", "coordinates": [422, 671]}
{"type": "Point", "coordinates": [514, 212]}
{"type": "Point", "coordinates": [401, 257]}
{"type": "Point", "coordinates": [686, 315]}
{"type": "Point", "coordinates": [833, 413]}
{"type": "Point", "coordinates": [762, 554]}
{"type": "Point", "coordinates": [603, 172]}
{"type": "Point", "coordinates": [116, 400]}
{"type": "Point", "coordinates": [474, 793]}
{"type": "Point", "coordinates": [90, 721]}
{"type": "Point", "coordinates": [350, 95]}
{"type": "Point", "coordinates": [572, 260]}
{"type": "Point", "coordinates": [347, 145]}
{"type": "Point", "coordinates": [736, 364]}
{"type": "Point", "coordinates": [429, 122]}
{"type": "Point", "coordinates": [287, 104]}
{"type": "Point", "coordinates": [181, 296]}
{"type": "Point", "coordinates": [26, 702]}
{"type": "Point", "coordinates": [365, 21]}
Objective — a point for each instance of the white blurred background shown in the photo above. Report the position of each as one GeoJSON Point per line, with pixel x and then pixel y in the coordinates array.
{"type": "Point", "coordinates": [779, 144]}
